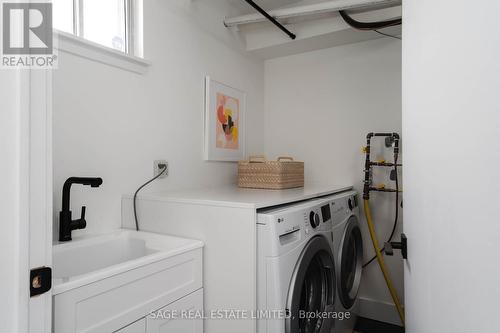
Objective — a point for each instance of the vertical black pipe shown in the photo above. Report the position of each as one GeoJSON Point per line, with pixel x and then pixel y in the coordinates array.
{"type": "Point", "coordinates": [396, 144]}
{"type": "Point", "coordinates": [366, 187]}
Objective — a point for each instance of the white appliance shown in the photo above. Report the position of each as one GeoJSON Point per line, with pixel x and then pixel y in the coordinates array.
{"type": "Point", "coordinates": [348, 248]}
{"type": "Point", "coordinates": [295, 268]}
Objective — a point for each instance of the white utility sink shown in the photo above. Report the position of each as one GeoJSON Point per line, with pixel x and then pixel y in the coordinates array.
{"type": "Point", "coordinates": [94, 254]}
{"type": "Point", "coordinates": [101, 283]}
{"type": "Point", "coordinates": [92, 258]}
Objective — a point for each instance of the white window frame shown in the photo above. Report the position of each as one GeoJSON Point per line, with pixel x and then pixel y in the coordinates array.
{"type": "Point", "coordinates": [129, 23]}
{"type": "Point", "coordinates": [131, 59]}
{"type": "Point", "coordinates": [129, 27]}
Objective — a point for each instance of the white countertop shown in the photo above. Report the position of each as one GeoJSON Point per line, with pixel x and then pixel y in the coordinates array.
{"type": "Point", "coordinates": [232, 196]}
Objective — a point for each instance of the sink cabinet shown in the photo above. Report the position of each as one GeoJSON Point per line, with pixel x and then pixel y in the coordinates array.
{"type": "Point", "coordinates": [136, 327]}
{"type": "Point", "coordinates": [161, 324]}
{"type": "Point", "coordinates": [122, 297]}
{"type": "Point", "coordinates": [180, 324]}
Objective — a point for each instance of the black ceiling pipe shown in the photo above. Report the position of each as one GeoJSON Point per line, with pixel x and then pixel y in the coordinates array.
{"type": "Point", "coordinates": [368, 25]}
{"type": "Point", "coordinates": [272, 19]}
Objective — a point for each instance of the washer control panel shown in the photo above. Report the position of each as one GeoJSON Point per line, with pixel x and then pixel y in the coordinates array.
{"type": "Point", "coordinates": [314, 219]}
{"type": "Point", "coordinates": [284, 226]}
{"type": "Point", "coordinates": [341, 206]}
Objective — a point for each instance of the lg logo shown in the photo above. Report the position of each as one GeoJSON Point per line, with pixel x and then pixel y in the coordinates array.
{"type": "Point", "coordinates": [27, 28]}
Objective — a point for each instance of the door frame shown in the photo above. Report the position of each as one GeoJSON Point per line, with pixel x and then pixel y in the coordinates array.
{"type": "Point", "coordinates": [39, 192]}
{"type": "Point", "coordinates": [31, 142]}
{"type": "Point", "coordinates": [26, 198]}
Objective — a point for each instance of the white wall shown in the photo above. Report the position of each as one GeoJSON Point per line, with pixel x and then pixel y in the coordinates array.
{"type": "Point", "coordinates": [112, 123]}
{"type": "Point", "coordinates": [451, 124]}
{"type": "Point", "coordinates": [319, 108]}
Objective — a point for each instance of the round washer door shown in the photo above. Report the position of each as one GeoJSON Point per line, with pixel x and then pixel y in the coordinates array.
{"type": "Point", "coordinates": [312, 290]}
{"type": "Point", "coordinates": [350, 263]}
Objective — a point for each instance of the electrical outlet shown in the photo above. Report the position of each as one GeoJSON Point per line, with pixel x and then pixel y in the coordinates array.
{"type": "Point", "coordinates": [157, 169]}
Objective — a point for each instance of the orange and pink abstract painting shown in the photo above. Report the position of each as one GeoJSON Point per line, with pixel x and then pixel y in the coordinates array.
{"type": "Point", "coordinates": [225, 112]}
{"type": "Point", "coordinates": [227, 124]}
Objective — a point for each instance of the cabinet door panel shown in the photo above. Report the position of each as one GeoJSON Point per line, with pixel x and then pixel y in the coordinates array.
{"type": "Point", "coordinates": [137, 327]}
{"type": "Point", "coordinates": [170, 319]}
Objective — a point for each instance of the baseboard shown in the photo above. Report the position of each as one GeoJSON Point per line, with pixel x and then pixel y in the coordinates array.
{"type": "Point", "coordinates": [380, 311]}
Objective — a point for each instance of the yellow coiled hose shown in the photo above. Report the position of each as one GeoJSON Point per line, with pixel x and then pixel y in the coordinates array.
{"type": "Point", "coordinates": [381, 262]}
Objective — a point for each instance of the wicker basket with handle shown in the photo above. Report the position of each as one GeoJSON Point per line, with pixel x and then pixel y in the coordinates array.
{"type": "Point", "coordinates": [258, 172]}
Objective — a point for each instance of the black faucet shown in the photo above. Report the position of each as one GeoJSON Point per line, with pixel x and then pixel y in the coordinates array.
{"type": "Point", "coordinates": [66, 224]}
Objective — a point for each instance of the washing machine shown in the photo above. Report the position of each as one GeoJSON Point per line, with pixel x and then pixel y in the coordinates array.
{"type": "Point", "coordinates": [348, 248]}
{"type": "Point", "coordinates": [296, 276]}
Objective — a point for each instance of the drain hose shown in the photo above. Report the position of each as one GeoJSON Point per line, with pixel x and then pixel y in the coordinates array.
{"type": "Point", "coordinates": [381, 262]}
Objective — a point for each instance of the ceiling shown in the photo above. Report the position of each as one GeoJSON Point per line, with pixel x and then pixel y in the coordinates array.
{"type": "Point", "coordinates": [314, 31]}
{"type": "Point", "coordinates": [242, 8]}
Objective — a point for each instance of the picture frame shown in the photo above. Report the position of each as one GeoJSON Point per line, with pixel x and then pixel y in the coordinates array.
{"type": "Point", "coordinates": [225, 127]}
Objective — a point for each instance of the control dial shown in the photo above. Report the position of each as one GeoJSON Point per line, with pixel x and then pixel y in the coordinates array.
{"type": "Point", "coordinates": [314, 219]}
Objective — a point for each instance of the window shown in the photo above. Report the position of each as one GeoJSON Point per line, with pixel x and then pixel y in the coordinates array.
{"type": "Point", "coordinates": [63, 15]}
{"type": "Point", "coordinates": [108, 23]}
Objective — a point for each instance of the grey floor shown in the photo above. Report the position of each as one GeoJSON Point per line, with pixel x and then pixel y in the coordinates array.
{"type": "Point", "coordinates": [365, 325]}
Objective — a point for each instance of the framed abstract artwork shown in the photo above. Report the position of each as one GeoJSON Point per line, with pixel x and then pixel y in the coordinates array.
{"type": "Point", "coordinates": [225, 109]}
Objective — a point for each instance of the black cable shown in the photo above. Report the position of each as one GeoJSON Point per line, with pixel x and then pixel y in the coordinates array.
{"type": "Point", "coordinates": [387, 35]}
{"type": "Point", "coordinates": [397, 198]}
{"type": "Point", "coordinates": [394, 227]}
{"type": "Point", "coordinates": [140, 188]}
{"type": "Point", "coordinates": [372, 259]}
{"type": "Point", "coordinates": [368, 25]}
